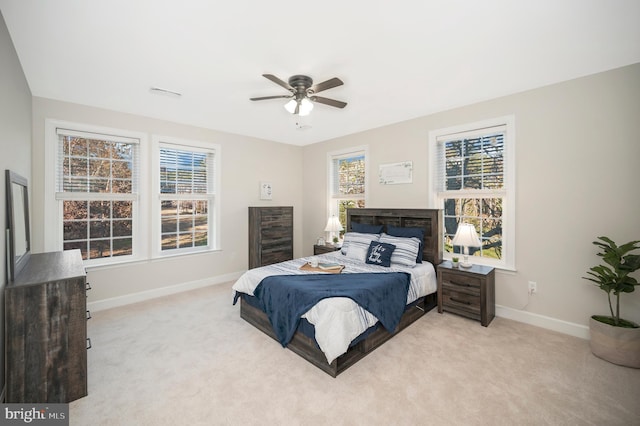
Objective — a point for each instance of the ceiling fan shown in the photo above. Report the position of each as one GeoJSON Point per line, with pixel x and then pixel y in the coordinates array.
{"type": "Point", "coordinates": [303, 93]}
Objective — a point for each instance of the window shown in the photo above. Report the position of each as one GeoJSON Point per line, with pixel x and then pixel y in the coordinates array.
{"type": "Point", "coordinates": [186, 187]}
{"type": "Point", "coordinates": [347, 181]}
{"type": "Point", "coordinates": [97, 185]}
{"type": "Point", "coordinates": [101, 183]}
{"type": "Point", "coordinates": [473, 181]}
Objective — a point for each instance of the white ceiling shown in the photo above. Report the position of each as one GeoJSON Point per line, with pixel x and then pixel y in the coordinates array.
{"type": "Point", "coordinates": [399, 60]}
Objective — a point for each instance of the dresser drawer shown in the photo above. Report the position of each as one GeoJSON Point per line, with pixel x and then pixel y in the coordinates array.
{"type": "Point", "coordinates": [278, 255]}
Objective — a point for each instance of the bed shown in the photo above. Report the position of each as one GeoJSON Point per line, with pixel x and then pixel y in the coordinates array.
{"type": "Point", "coordinates": [331, 344]}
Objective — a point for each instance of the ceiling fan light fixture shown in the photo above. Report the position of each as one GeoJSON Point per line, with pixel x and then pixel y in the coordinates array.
{"type": "Point", "coordinates": [291, 106]}
{"type": "Point", "coordinates": [302, 93]}
{"type": "Point", "coordinates": [305, 107]}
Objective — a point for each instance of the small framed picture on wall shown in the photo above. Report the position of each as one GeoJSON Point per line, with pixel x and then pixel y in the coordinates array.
{"type": "Point", "coordinates": [265, 190]}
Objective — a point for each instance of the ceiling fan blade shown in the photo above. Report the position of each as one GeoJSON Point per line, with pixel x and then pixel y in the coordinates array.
{"type": "Point", "coordinates": [327, 101]}
{"type": "Point", "coordinates": [270, 97]}
{"type": "Point", "coordinates": [279, 82]}
{"type": "Point", "coordinates": [325, 85]}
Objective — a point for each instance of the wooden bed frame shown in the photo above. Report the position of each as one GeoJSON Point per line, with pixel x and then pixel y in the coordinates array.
{"type": "Point", "coordinates": [428, 219]}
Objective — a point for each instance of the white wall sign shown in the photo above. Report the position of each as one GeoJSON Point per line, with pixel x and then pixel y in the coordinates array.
{"type": "Point", "coordinates": [395, 173]}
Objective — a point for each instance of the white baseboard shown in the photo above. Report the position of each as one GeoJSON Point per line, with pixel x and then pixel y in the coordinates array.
{"type": "Point", "coordinates": [128, 299]}
{"type": "Point", "coordinates": [573, 329]}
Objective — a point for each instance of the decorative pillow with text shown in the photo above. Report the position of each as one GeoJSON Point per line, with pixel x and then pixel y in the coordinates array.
{"type": "Point", "coordinates": [380, 253]}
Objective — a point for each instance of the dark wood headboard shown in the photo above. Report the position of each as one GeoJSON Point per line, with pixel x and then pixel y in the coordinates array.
{"type": "Point", "coordinates": [428, 219]}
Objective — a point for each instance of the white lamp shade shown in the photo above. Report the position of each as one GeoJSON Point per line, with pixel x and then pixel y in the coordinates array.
{"type": "Point", "coordinates": [305, 107]}
{"type": "Point", "coordinates": [333, 225]}
{"type": "Point", "coordinates": [466, 236]}
{"type": "Point", "coordinates": [291, 106]}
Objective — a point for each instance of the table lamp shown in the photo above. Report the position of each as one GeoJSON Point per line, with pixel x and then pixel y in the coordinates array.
{"type": "Point", "coordinates": [466, 236]}
{"type": "Point", "coordinates": [333, 225]}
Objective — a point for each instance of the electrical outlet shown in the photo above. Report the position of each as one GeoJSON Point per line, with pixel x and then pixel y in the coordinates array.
{"type": "Point", "coordinates": [533, 287]}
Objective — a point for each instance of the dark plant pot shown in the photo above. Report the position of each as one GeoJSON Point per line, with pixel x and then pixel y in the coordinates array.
{"type": "Point", "coordinates": [618, 345]}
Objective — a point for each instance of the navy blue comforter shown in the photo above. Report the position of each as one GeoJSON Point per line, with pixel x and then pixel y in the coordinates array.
{"type": "Point", "coordinates": [285, 298]}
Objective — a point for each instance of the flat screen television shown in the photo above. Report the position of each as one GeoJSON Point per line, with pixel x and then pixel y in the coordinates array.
{"type": "Point", "coordinates": [18, 233]}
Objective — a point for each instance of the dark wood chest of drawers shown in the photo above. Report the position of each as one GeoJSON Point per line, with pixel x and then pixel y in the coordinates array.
{"type": "Point", "coordinates": [469, 292]}
{"type": "Point", "coordinates": [270, 235]}
{"type": "Point", "coordinates": [46, 330]}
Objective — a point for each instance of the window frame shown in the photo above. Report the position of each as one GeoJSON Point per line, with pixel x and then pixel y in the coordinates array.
{"type": "Point", "coordinates": [332, 202]}
{"type": "Point", "coordinates": [507, 193]}
{"type": "Point", "coordinates": [53, 202]}
{"type": "Point", "coordinates": [212, 195]}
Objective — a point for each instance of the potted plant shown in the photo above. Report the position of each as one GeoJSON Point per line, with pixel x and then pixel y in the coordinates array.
{"type": "Point", "coordinates": [613, 338]}
{"type": "Point", "coordinates": [455, 261]}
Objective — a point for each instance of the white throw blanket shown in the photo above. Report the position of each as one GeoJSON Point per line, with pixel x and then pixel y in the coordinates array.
{"type": "Point", "coordinates": [339, 320]}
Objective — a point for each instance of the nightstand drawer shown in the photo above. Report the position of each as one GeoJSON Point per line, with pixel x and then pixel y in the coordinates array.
{"type": "Point", "coordinates": [456, 301]}
{"type": "Point", "coordinates": [457, 280]}
{"type": "Point", "coordinates": [470, 293]}
{"type": "Point", "coordinates": [324, 249]}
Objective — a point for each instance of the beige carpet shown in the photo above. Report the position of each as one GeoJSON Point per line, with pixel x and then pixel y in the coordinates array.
{"type": "Point", "coordinates": [189, 359]}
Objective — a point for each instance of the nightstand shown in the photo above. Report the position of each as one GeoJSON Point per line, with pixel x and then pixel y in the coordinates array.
{"type": "Point", "coordinates": [324, 249]}
{"type": "Point", "coordinates": [469, 292]}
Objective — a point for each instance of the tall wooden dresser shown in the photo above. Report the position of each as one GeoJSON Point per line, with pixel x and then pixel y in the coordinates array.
{"type": "Point", "coordinates": [270, 235]}
{"type": "Point", "coordinates": [46, 330]}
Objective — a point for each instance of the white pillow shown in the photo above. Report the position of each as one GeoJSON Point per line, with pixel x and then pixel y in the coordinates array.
{"type": "Point", "coordinates": [355, 244]}
{"type": "Point", "coordinates": [349, 236]}
{"type": "Point", "coordinates": [406, 250]}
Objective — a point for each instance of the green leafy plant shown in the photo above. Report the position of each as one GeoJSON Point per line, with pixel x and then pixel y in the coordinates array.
{"type": "Point", "coordinates": [455, 259]}
{"type": "Point", "coordinates": [614, 276]}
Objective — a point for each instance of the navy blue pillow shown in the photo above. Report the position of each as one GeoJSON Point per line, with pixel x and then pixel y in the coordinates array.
{"type": "Point", "coordinates": [398, 231]}
{"type": "Point", "coordinates": [379, 254]}
{"type": "Point", "coordinates": [363, 228]}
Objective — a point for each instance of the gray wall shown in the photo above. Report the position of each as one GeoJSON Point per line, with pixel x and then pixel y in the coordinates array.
{"type": "Point", "coordinates": [577, 162]}
{"type": "Point", "coordinates": [245, 162]}
{"type": "Point", "coordinates": [15, 143]}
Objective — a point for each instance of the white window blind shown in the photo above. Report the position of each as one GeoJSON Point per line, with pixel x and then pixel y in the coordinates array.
{"type": "Point", "coordinates": [95, 163]}
{"type": "Point", "coordinates": [186, 171]}
{"type": "Point", "coordinates": [472, 161]}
